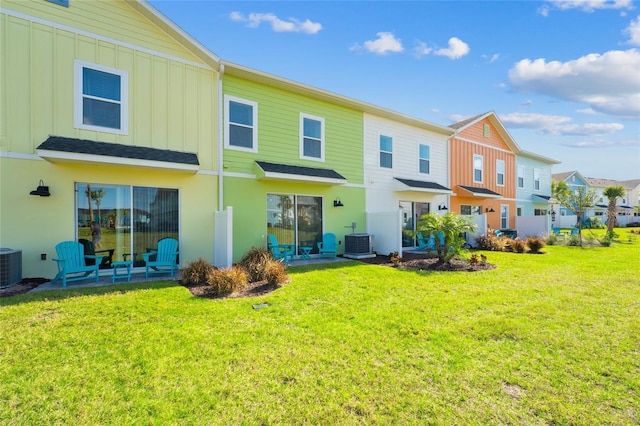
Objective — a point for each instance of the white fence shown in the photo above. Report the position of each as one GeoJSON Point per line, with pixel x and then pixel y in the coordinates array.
{"type": "Point", "coordinates": [532, 226]}
{"type": "Point", "coordinates": [223, 238]}
{"type": "Point", "coordinates": [386, 228]}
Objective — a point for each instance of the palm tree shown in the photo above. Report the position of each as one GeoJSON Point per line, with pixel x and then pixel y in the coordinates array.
{"type": "Point", "coordinates": [452, 226]}
{"type": "Point", "coordinates": [578, 202]}
{"type": "Point", "coordinates": [97, 197]}
{"type": "Point", "coordinates": [612, 193]}
{"type": "Point", "coordinates": [89, 195]}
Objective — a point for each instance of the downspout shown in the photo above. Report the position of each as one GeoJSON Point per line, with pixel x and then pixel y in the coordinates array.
{"type": "Point", "coordinates": [220, 141]}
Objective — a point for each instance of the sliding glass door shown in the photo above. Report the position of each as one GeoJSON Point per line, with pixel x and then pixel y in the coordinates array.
{"type": "Point", "coordinates": [295, 219]}
{"type": "Point", "coordinates": [125, 221]}
{"type": "Point", "coordinates": [411, 213]}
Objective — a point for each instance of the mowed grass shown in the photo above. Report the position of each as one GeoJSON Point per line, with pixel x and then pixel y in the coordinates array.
{"type": "Point", "coordinates": [543, 339]}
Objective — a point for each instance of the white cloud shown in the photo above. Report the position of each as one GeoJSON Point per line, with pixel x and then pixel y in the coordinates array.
{"type": "Point", "coordinates": [456, 50]}
{"type": "Point", "coordinates": [558, 125]}
{"type": "Point", "coordinates": [590, 5]}
{"type": "Point", "coordinates": [385, 43]}
{"type": "Point", "coordinates": [633, 30]}
{"type": "Point", "coordinates": [608, 83]}
{"type": "Point", "coordinates": [422, 49]}
{"type": "Point", "coordinates": [599, 143]}
{"type": "Point", "coordinates": [253, 20]}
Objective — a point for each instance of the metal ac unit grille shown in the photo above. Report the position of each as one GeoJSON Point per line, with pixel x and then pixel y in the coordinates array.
{"type": "Point", "coordinates": [10, 267]}
{"type": "Point", "coordinates": [357, 243]}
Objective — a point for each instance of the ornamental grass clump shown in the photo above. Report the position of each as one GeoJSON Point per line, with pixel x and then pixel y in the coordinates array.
{"type": "Point", "coordinates": [517, 246]}
{"type": "Point", "coordinates": [255, 262]}
{"type": "Point", "coordinates": [492, 243]}
{"type": "Point", "coordinates": [535, 244]}
{"type": "Point", "coordinates": [228, 280]}
{"type": "Point", "coordinates": [196, 272]}
{"type": "Point", "coordinates": [274, 273]}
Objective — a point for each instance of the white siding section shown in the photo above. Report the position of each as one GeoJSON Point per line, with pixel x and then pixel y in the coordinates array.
{"type": "Point", "coordinates": [379, 181]}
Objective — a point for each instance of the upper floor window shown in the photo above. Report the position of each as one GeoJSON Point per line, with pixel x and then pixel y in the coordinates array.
{"type": "Point", "coordinates": [477, 168]}
{"type": "Point", "coordinates": [520, 176]}
{"type": "Point", "coordinates": [425, 158]}
{"type": "Point", "coordinates": [486, 130]}
{"type": "Point", "coordinates": [241, 124]}
{"type": "Point", "coordinates": [536, 179]}
{"type": "Point", "coordinates": [500, 172]}
{"type": "Point", "coordinates": [311, 137]}
{"type": "Point", "coordinates": [386, 151]}
{"type": "Point", "coordinates": [100, 98]}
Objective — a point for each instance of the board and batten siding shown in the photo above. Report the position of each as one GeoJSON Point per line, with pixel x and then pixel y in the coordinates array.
{"type": "Point", "coordinates": [172, 103]}
{"type": "Point", "coordinates": [279, 134]}
{"type": "Point", "coordinates": [405, 164]}
{"type": "Point", "coordinates": [111, 19]}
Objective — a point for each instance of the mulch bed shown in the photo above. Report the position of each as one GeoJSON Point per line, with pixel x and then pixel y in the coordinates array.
{"type": "Point", "coordinates": [429, 262]}
{"type": "Point", "coordinates": [24, 286]}
{"type": "Point", "coordinates": [259, 288]}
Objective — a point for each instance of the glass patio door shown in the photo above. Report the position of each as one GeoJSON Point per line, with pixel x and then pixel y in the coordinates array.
{"type": "Point", "coordinates": [295, 219]}
{"type": "Point", "coordinates": [411, 213]}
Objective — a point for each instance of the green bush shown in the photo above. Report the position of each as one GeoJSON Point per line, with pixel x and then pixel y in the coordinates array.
{"type": "Point", "coordinates": [535, 244]}
{"type": "Point", "coordinates": [228, 280]}
{"type": "Point", "coordinates": [255, 262]}
{"type": "Point", "coordinates": [552, 239]}
{"type": "Point", "coordinates": [196, 272]}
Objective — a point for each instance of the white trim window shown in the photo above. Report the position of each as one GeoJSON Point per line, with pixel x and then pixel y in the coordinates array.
{"type": "Point", "coordinates": [536, 179]}
{"type": "Point", "coordinates": [386, 152]}
{"type": "Point", "coordinates": [504, 216]}
{"type": "Point", "coordinates": [521, 172]}
{"type": "Point", "coordinates": [424, 154]}
{"type": "Point", "coordinates": [477, 168]}
{"type": "Point", "coordinates": [101, 98]}
{"type": "Point", "coordinates": [500, 172]}
{"type": "Point", "coordinates": [311, 137]}
{"type": "Point", "coordinates": [241, 124]}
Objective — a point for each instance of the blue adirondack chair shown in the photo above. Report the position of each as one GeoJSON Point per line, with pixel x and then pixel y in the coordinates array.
{"type": "Point", "coordinates": [281, 251]}
{"type": "Point", "coordinates": [575, 231]}
{"type": "Point", "coordinates": [162, 260]}
{"type": "Point", "coordinates": [328, 246]}
{"type": "Point", "coordinates": [72, 265]}
{"type": "Point", "coordinates": [425, 243]}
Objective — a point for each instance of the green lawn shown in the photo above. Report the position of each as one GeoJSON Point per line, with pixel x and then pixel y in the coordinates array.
{"type": "Point", "coordinates": [543, 339]}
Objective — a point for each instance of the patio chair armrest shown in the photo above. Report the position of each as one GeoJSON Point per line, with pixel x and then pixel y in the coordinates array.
{"type": "Point", "coordinates": [110, 251]}
{"type": "Point", "coordinates": [148, 254]}
{"type": "Point", "coordinates": [59, 260]}
{"type": "Point", "coordinates": [96, 258]}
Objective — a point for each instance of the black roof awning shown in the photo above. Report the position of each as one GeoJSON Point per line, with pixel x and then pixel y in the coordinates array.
{"type": "Point", "coordinates": [402, 184]}
{"type": "Point", "coordinates": [480, 192]}
{"type": "Point", "coordinates": [275, 171]}
{"type": "Point", "coordinates": [61, 149]}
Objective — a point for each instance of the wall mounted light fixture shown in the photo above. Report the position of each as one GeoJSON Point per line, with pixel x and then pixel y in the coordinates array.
{"type": "Point", "coordinates": [489, 210]}
{"type": "Point", "coordinates": [42, 190]}
{"type": "Point", "coordinates": [337, 203]}
{"type": "Point", "coordinates": [442, 206]}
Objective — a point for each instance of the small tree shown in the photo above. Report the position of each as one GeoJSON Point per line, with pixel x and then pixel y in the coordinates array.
{"type": "Point", "coordinates": [452, 227]}
{"type": "Point", "coordinates": [579, 201]}
{"type": "Point", "coordinates": [612, 193]}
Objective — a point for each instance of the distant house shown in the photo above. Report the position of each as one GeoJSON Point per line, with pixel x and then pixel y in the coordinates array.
{"type": "Point", "coordinates": [624, 205]}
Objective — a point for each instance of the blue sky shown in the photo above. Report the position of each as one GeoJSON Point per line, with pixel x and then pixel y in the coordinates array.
{"type": "Point", "coordinates": [563, 76]}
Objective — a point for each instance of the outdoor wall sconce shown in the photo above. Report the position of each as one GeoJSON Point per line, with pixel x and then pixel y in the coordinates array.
{"type": "Point", "coordinates": [42, 190]}
{"type": "Point", "coordinates": [442, 206]}
{"type": "Point", "coordinates": [489, 210]}
{"type": "Point", "coordinates": [337, 203]}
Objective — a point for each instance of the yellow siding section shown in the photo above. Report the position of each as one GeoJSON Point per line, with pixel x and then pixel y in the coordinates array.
{"type": "Point", "coordinates": [113, 18]}
{"type": "Point", "coordinates": [172, 104]}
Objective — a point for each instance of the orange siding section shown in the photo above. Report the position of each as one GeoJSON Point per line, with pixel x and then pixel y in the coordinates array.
{"type": "Point", "coordinates": [491, 149]}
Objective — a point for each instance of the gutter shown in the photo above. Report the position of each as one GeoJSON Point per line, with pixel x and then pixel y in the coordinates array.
{"type": "Point", "coordinates": [220, 141]}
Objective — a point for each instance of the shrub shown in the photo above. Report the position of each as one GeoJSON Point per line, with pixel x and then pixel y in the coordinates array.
{"type": "Point", "coordinates": [552, 239]}
{"type": "Point", "coordinates": [491, 242]}
{"type": "Point", "coordinates": [255, 262]}
{"type": "Point", "coordinates": [535, 244]}
{"type": "Point", "coordinates": [229, 280]}
{"type": "Point", "coordinates": [518, 246]}
{"type": "Point", "coordinates": [274, 273]}
{"type": "Point", "coordinates": [574, 240]}
{"type": "Point", "coordinates": [196, 272]}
